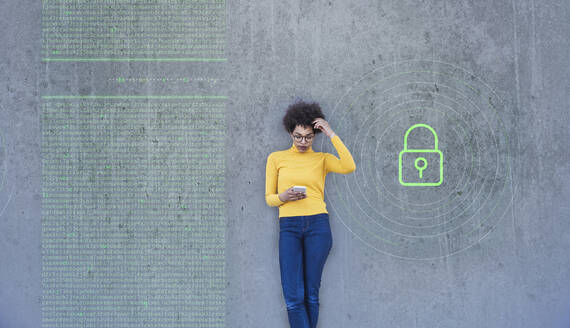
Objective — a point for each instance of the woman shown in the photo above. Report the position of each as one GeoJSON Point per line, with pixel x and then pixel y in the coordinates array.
{"type": "Point", "coordinates": [305, 237]}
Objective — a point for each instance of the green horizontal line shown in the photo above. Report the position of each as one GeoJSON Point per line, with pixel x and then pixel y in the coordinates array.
{"type": "Point", "coordinates": [134, 59]}
{"type": "Point", "coordinates": [135, 97]}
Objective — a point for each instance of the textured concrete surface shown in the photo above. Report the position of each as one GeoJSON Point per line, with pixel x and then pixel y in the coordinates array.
{"type": "Point", "coordinates": [514, 273]}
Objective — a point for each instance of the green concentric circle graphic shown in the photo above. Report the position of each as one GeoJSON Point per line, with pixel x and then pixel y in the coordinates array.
{"type": "Point", "coordinates": [421, 222]}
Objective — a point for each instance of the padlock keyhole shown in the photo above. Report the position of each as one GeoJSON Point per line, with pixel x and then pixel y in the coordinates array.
{"type": "Point", "coordinates": [423, 167]}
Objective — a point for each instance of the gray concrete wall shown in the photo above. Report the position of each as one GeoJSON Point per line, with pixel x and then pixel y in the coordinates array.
{"type": "Point", "coordinates": [493, 253]}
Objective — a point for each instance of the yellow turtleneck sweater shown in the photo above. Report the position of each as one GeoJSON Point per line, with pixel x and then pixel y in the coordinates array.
{"type": "Point", "coordinates": [288, 168]}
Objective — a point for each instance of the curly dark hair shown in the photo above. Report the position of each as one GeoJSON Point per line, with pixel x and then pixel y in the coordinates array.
{"type": "Point", "coordinates": [302, 113]}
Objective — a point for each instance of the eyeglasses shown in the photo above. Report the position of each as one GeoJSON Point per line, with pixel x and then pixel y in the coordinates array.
{"type": "Point", "coordinates": [308, 138]}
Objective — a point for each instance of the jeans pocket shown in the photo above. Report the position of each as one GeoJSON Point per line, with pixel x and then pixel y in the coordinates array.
{"type": "Point", "coordinates": [322, 217]}
{"type": "Point", "coordinates": [288, 222]}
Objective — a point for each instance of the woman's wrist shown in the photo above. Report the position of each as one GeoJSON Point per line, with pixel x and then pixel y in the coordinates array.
{"type": "Point", "coordinates": [332, 135]}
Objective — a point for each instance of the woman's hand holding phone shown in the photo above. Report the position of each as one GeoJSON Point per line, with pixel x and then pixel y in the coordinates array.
{"type": "Point", "coordinates": [290, 195]}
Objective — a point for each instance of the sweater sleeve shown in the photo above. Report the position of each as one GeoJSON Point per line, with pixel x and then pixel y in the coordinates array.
{"type": "Point", "coordinates": [343, 165]}
{"type": "Point", "coordinates": [271, 196]}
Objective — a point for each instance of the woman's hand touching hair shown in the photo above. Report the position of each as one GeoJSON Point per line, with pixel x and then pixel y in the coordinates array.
{"type": "Point", "coordinates": [324, 126]}
{"type": "Point", "coordinates": [289, 195]}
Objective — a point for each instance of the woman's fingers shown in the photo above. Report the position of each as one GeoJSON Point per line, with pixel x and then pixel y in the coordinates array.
{"type": "Point", "coordinates": [320, 123]}
{"type": "Point", "coordinates": [293, 195]}
{"type": "Point", "coordinates": [297, 195]}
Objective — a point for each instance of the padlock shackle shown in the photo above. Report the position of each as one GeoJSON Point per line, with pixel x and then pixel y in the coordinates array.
{"type": "Point", "coordinates": [417, 126]}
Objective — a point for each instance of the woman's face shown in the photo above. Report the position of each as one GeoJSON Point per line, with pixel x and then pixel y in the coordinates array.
{"type": "Point", "coordinates": [303, 144]}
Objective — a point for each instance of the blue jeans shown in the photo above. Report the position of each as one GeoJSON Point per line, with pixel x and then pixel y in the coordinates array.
{"type": "Point", "coordinates": [304, 245]}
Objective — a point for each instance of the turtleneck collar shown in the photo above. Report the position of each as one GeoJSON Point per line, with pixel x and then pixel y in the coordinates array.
{"type": "Point", "coordinates": [296, 150]}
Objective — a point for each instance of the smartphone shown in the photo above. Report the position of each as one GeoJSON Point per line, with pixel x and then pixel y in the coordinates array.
{"type": "Point", "coordinates": [302, 189]}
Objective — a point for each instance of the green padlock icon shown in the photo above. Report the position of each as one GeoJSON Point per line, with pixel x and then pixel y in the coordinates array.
{"type": "Point", "coordinates": [415, 161]}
